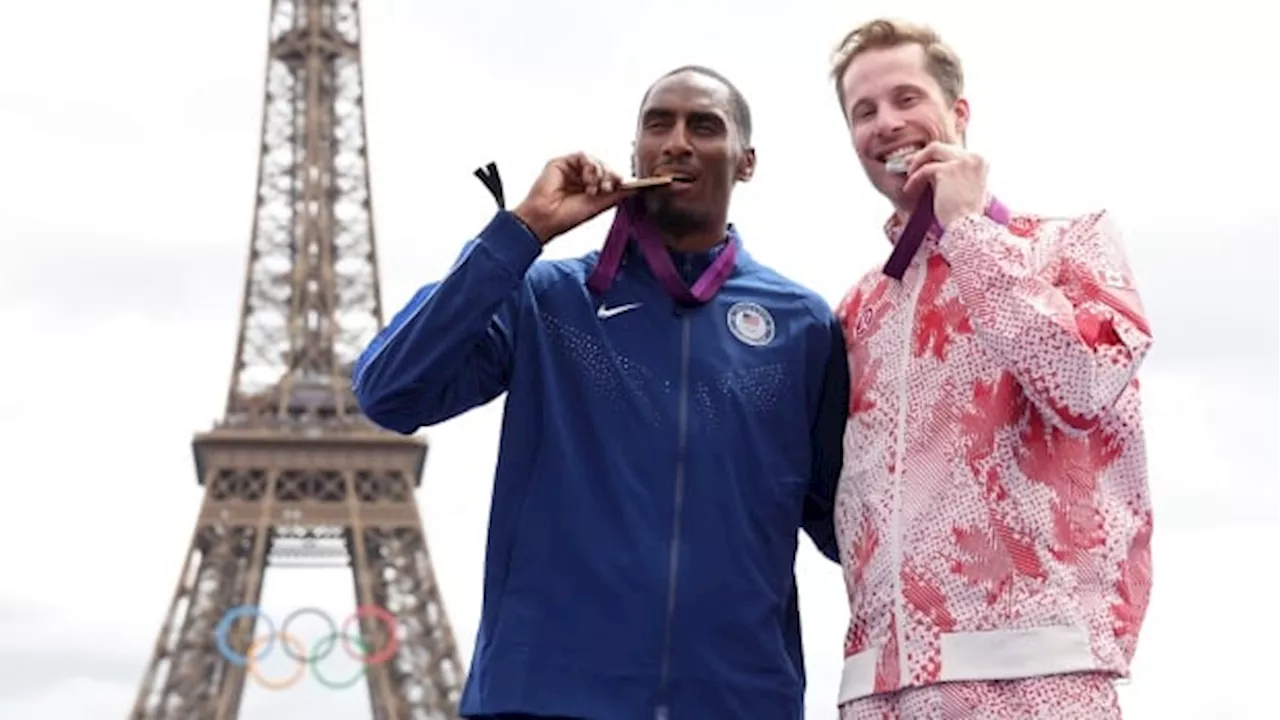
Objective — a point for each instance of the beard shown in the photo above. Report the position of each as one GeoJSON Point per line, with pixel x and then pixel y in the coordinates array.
{"type": "Point", "coordinates": [672, 219]}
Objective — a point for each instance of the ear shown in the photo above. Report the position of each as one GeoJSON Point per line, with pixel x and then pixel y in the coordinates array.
{"type": "Point", "coordinates": [961, 111]}
{"type": "Point", "coordinates": [746, 165]}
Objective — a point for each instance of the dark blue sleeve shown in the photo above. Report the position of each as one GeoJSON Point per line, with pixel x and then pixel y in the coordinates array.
{"type": "Point", "coordinates": [450, 349]}
{"type": "Point", "coordinates": [828, 447]}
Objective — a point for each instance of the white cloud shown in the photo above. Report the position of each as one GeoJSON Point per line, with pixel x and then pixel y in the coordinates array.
{"type": "Point", "coordinates": [128, 193]}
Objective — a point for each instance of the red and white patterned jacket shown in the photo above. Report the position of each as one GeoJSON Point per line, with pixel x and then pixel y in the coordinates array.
{"type": "Point", "coordinates": [993, 512]}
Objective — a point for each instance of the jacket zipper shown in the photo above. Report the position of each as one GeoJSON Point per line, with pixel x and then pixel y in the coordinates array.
{"type": "Point", "coordinates": [663, 709]}
{"type": "Point", "coordinates": [900, 473]}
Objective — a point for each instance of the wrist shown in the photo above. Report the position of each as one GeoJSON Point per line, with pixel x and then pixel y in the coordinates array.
{"type": "Point", "coordinates": [533, 221]}
{"type": "Point", "coordinates": [947, 218]}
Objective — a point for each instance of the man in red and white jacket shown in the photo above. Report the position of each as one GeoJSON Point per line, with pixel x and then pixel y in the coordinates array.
{"type": "Point", "coordinates": [993, 512]}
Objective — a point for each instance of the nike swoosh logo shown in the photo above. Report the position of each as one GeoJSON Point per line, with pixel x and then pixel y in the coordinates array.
{"type": "Point", "coordinates": [604, 313]}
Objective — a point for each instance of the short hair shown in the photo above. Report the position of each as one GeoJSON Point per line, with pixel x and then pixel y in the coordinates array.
{"type": "Point", "coordinates": [941, 61]}
{"type": "Point", "coordinates": [739, 110]}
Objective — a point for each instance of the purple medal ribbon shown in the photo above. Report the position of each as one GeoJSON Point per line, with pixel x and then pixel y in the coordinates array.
{"type": "Point", "coordinates": [631, 221]}
{"type": "Point", "coordinates": [918, 226]}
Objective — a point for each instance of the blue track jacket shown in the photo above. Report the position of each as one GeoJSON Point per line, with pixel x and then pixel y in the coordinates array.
{"type": "Point", "coordinates": [653, 474]}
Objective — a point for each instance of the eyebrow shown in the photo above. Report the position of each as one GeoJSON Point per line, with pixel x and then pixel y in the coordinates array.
{"type": "Point", "coordinates": [896, 89]}
{"type": "Point", "coordinates": [697, 115]}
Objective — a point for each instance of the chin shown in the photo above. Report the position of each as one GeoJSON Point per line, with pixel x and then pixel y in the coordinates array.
{"type": "Point", "coordinates": [673, 218]}
{"type": "Point", "coordinates": [660, 205]}
{"type": "Point", "coordinates": [891, 188]}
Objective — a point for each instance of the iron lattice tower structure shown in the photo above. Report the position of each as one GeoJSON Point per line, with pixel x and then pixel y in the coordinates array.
{"type": "Point", "coordinates": [293, 460]}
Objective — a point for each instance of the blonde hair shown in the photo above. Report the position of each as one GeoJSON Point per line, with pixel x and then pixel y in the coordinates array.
{"type": "Point", "coordinates": [941, 61]}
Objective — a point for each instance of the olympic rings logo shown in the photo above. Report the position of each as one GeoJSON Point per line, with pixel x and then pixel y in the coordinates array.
{"type": "Point", "coordinates": [342, 635]}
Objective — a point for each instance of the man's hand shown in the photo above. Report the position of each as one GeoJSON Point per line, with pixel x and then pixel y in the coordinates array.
{"type": "Point", "coordinates": [959, 180]}
{"type": "Point", "coordinates": [570, 191]}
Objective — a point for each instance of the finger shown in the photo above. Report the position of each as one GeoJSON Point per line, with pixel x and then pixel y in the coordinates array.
{"type": "Point", "coordinates": [592, 205]}
{"type": "Point", "coordinates": [583, 168]}
{"type": "Point", "coordinates": [590, 176]}
{"type": "Point", "coordinates": [610, 181]}
{"type": "Point", "coordinates": [596, 177]}
{"type": "Point", "coordinates": [933, 152]}
{"type": "Point", "coordinates": [577, 161]}
{"type": "Point", "coordinates": [600, 176]}
{"type": "Point", "coordinates": [920, 177]}
{"type": "Point", "coordinates": [564, 173]}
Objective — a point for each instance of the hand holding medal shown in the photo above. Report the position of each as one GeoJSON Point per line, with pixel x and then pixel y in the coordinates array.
{"type": "Point", "coordinates": [572, 190]}
{"type": "Point", "coordinates": [958, 178]}
{"type": "Point", "coordinates": [951, 182]}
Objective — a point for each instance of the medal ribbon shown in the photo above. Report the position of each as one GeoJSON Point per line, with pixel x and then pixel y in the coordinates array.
{"type": "Point", "coordinates": [918, 226]}
{"type": "Point", "coordinates": [631, 221]}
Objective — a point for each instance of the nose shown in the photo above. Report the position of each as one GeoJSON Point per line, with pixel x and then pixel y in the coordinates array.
{"type": "Point", "coordinates": [676, 144]}
{"type": "Point", "coordinates": [888, 122]}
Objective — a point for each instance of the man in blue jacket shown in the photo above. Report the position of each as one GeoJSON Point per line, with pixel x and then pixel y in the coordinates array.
{"type": "Point", "coordinates": [674, 415]}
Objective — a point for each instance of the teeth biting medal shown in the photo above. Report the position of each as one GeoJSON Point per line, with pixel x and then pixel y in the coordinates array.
{"type": "Point", "coordinates": [899, 159]}
{"type": "Point", "coordinates": [653, 181]}
{"type": "Point", "coordinates": [647, 182]}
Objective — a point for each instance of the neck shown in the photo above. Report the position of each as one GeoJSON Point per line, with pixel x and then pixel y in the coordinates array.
{"type": "Point", "coordinates": [693, 236]}
{"type": "Point", "coordinates": [694, 241]}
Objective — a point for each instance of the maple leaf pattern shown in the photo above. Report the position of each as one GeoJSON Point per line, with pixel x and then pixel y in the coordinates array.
{"type": "Point", "coordinates": [935, 320]}
{"type": "Point", "coordinates": [995, 405]}
{"type": "Point", "coordinates": [993, 556]}
{"type": "Point", "coordinates": [1133, 588]}
{"type": "Point", "coordinates": [862, 551]}
{"type": "Point", "coordinates": [864, 548]}
{"type": "Point", "coordinates": [1069, 466]}
{"type": "Point", "coordinates": [925, 597]}
{"type": "Point", "coordinates": [1000, 485]}
{"type": "Point", "coordinates": [860, 317]}
{"type": "Point", "coordinates": [863, 381]}
{"type": "Point", "coordinates": [888, 676]}
{"type": "Point", "coordinates": [1078, 526]}
{"type": "Point", "coordinates": [927, 607]}
{"type": "Point", "coordinates": [1098, 296]}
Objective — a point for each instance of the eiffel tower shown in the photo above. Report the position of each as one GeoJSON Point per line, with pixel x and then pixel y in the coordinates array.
{"type": "Point", "coordinates": [293, 464]}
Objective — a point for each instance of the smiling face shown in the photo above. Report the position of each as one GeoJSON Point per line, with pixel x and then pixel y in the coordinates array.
{"type": "Point", "coordinates": [893, 105]}
{"type": "Point", "coordinates": [687, 130]}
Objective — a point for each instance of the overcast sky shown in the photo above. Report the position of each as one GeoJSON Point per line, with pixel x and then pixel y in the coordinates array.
{"type": "Point", "coordinates": [127, 180]}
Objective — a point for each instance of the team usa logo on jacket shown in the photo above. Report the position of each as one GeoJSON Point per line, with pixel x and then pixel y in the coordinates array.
{"type": "Point", "coordinates": [751, 324]}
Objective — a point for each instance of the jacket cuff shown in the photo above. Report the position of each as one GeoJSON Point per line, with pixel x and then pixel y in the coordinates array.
{"type": "Point", "coordinates": [511, 242]}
